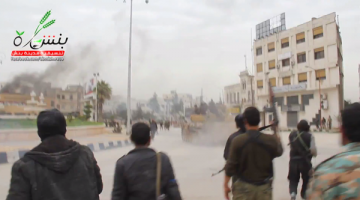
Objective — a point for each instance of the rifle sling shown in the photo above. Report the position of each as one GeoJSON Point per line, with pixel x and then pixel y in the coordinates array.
{"type": "Point", "coordinates": [303, 154]}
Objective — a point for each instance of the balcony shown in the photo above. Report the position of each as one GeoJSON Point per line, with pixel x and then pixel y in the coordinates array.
{"type": "Point", "coordinates": [293, 107]}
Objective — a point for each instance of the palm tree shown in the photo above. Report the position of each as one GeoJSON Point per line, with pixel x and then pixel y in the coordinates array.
{"type": "Point", "coordinates": [104, 93]}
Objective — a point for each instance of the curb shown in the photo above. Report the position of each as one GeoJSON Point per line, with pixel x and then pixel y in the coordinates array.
{"type": "Point", "coordinates": [13, 156]}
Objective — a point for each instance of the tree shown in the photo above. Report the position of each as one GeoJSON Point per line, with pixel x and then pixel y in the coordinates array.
{"type": "Point", "coordinates": [123, 114]}
{"type": "Point", "coordinates": [104, 92]}
{"type": "Point", "coordinates": [203, 108]}
{"type": "Point", "coordinates": [139, 114]}
{"type": "Point", "coordinates": [212, 108]}
{"type": "Point", "coordinates": [347, 103]}
{"type": "Point", "coordinates": [121, 107]}
{"type": "Point", "coordinates": [154, 104]}
{"type": "Point", "coordinates": [177, 107]}
{"type": "Point", "coordinates": [87, 111]}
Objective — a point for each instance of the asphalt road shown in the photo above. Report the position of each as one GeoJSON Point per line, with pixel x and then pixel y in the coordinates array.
{"type": "Point", "coordinates": [194, 165]}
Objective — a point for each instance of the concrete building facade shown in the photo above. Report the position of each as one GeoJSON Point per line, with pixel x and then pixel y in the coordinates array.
{"type": "Point", "coordinates": [304, 66]}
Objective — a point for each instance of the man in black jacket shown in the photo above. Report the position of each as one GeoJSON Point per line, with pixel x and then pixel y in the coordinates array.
{"type": "Point", "coordinates": [302, 149]}
{"type": "Point", "coordinates": [135, 173]}
{"type": "Point", "coordinates": [58, 168]}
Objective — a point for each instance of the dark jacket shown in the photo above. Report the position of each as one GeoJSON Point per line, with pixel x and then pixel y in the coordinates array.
{"type": "Point", "coordinates": [253, 162]}
{"type": "Point", "coordinates": [228, 143]}
{"type": "Point", "coordinates": [135, 177]}
{"type": "Point", "coordinates": [232, 136]}
{"type": "Point", "coordinates": [299, 150]}
{"type": "Point", "coordinates": [57, 169]}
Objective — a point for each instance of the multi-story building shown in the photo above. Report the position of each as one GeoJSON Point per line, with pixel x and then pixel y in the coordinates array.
{"type": "Point", "coordinates": [359, 82]}
{"type": "Point", "coordinates": [187, 99]}
{"type": "Point", "coordinates": [247, 89]}
{"type": "Point", "coordinates": [304, 66]}
{"type": "Point", "coordinates": [232, 95]}
{"type": "Point", "coordinates": [69, 100]}
{"type": "Point", "coordinates": [240, 95]}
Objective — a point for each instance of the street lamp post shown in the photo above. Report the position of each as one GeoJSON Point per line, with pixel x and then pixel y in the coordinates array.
{"type": "Point", "coordinates": [96, 75]}
{"type": "Point", "coordinates": [319, 96]}
{"type": "Point", "coordinates": [128, 128]}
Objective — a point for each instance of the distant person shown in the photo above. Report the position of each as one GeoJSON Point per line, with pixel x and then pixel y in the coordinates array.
{"type": "Point", "coordinates": [338, 176]}
{"type": "Point", "coordinates": [135, 173]}
{"type": "Point", "coordinates": [329, 122]}
{"type": "Point", "coordinates": [57, 168]}
{"type": "Point", "coordinates": [161, 125]}
{"type": "Point", "coordinates": [153, 128]}
{"type": "Point", "coordinates": [323, 123]}
{"type": "Point", "coordinates": [251, 161]}
{"type": "Point", "coordinates": [302, 149]}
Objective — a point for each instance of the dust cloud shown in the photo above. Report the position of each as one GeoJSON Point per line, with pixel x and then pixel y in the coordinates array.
{"type": "Point", "coordinates": [214, 134]}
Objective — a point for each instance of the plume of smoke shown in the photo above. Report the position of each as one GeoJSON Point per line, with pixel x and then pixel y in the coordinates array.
{"type": "Point", "coordinates": [76, 66]}
{"type": "Point", "coordinates": [214, 134]}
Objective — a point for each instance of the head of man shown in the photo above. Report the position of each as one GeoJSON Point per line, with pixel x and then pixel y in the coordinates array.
{"type": "Point", "coordinates": [140, 134]}
{"type": "Point", "coordinates": [50, 123]}
{"type": "Point", "coordinates": [303, 126]}
{"type": "Point", "coordinates": [251, 118]}
{"type": "Point", "coordinates": [239, 121]}
{"type": "Point", "coordinates": [350, 128]}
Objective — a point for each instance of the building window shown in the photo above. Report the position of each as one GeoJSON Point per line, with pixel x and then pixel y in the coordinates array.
{"type": "Point", "coordinates": [271, 64]}
{"type": "Point", "coordinates": [71, 97]}
{"type": "Point", "coordinates": [285, 42]}
{"type": "Point", "coordinates": [62, 96]}
{"type": "Point", "coordinates": [320, 74]}
{"type": "Point", "coordinates": [58, 106]}
{"type": "Point", "coordinates": [58, 96]}
{"type": "Point", "coordinates": [259, 67]}
{"type": "Point", "coordinates": [258, 51]}
{"type": "Point", "coordinates": [260, 84]}
{"type": "Point", "coordinates": [302, 77]}
{"type": "Point", "coordinates": [238, 97]}
{"type": "Point", "coordinates": [301, 57]}
{"type": "Point", "coordinates": [227, 98]}
{"type": "Point", "coordinates": [52, 103]}
{"type": "Point", "coordinates": [244, 85]}
{"type": "Point", "coordinates": [271, 47]}
{"type": "Point", "coordinates": [287, 81]}
{"type": "Point", "coordinates": [319, 53]}
{"type": "Point", "coordinates": [300, 38]}
{"type": "Point", "coordinates": [318, 32]}
{"type": "Point", "coordinates": [272, 82]}
{"type": "Point", "coordinates": [286, 62]}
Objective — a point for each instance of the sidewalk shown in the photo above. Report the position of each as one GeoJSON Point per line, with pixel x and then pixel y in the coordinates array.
{"type": "Point", "coordinates": [11, 151]}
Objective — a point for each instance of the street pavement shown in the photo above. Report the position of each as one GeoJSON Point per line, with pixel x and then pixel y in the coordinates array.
{"type": "Point", "coordinates": [194, 164]}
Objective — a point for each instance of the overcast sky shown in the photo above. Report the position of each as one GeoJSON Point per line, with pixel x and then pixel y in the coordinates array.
{"type": "Point", "coordinates": [182, 45]}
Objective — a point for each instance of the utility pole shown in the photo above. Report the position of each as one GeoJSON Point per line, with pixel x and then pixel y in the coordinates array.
{"type": "Point", "coordinates": [96, 75]}
{"type": "Point", "coordinates": [128, 128]}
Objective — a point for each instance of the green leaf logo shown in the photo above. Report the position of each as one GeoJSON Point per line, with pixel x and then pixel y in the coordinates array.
{"type": "Point", "coordinates": [19, 34]}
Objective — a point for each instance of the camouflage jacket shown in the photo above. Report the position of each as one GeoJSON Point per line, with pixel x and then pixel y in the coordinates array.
{"type": "Point", "coordinates": [337, 177]}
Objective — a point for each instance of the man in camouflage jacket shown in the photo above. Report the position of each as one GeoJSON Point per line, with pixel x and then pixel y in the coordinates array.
{"type": "Point", "coordinates": [339, 176]}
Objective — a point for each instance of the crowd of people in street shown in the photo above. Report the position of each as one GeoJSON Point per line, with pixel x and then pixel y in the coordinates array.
{"type": "Point", "coordinates": [62, 169]}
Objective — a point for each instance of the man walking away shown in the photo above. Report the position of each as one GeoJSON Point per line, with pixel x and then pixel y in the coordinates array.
{"type": "Point", "coordinates": [329, 122]}
{"type": "Point", "coordinates": [58, 168]}
{"type": "Point", "coordinates": [153, 128]}
{"type": "Point", "coordinates": [161, 125]}
{"type": "Point", "coordinates": [135, 173]}
{"type": "Point", "coordinates": [302, 149]}
{"type": "Point", "coordinates": [250, 159]}
{"type": "Point", "coordinates": [337, 177]}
